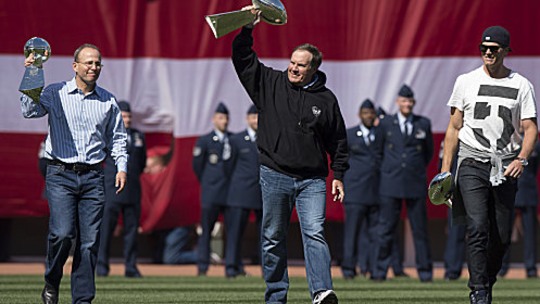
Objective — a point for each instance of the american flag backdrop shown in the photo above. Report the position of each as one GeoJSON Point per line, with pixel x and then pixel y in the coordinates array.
{"type": "Point", "coordinates": [161, 56]}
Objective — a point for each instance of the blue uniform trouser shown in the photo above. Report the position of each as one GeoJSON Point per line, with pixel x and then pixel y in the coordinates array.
{"type": "Point", "coordinates": [236, 220]}
{"type": "Point", "coordinates": [76, 203]}
{"type": "Point", "coordinates": [280, 194]}
{"type": "Point", "coordinates": [209, 217]}
{"type": "Point", "coordinates": [389, 212]}
{"type": "Point", "coordinates": [130, 214]}
{"type": "Point", "coordinates": [366, 259]}
{"type": "Point", "coordinates": [489, 212]}
{"type": "Point", "coordinates": [454, 254]}
{"type": "Point", "coordinates": [358, 217]}
{"type": "Point", "coordinates": [529, 221]}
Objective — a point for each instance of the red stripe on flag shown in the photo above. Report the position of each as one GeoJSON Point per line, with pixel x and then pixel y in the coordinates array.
{"type": "Point", "coordinates": [348, 30]}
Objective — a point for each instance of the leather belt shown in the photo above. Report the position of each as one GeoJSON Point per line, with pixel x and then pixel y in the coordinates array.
{"type": "Point", "coordinates": [77, 167]}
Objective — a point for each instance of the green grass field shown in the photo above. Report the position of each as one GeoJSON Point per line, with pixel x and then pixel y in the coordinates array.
{"type": "Point", "coordinates": [116, 289]}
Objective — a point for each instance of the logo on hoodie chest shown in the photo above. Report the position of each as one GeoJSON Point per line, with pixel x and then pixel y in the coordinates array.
{"type": "Point", "coordinates": [316, 111]}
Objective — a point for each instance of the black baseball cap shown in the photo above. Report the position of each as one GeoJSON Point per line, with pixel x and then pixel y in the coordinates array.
{"type": "Point", "coordinates": [497, 34]}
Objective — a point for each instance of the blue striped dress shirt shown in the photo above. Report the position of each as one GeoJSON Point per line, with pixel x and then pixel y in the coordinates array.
{"type": "Point", "coordinates": [82, 128]}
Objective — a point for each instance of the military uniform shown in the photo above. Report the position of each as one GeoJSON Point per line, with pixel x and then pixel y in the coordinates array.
{"type": "Point", "coordinates": [244, 195]}
{"type": "Point", "coordinates": [209, 156]}
{"type": "Point", "coordinates": [361, 184]}
{"type": "Point", "coordinates": [127, 202]}
{"type": "Point", "coordinates": [405, 156]}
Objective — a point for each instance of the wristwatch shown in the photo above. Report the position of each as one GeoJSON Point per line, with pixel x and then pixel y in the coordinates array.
{"type": "Point", "coordinates": [524, 162]}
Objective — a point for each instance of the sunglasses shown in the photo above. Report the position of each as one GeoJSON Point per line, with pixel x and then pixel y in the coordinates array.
{"type": "Point", "coordinates": [494, 49]}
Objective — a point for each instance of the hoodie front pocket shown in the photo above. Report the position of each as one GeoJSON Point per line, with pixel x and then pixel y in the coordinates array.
{"type": "Point", "coordinates": [298, 150]}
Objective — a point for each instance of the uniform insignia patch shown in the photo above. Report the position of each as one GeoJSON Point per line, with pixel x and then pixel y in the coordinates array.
{"type": "Point", "coordinates": [215, 138]}
{"type": "Point", "coordinates": [420, 134]}
{"type": "Point", "coordinates": [247, 138]}
{"type": "Point", "coordinates": [213, 159]}
{"type": "Point", "coordinates": [138, 140]}
{"type": "Point", "coordinates": [196, 151]}
{"type": "Point", "coordinates": [358, 133]}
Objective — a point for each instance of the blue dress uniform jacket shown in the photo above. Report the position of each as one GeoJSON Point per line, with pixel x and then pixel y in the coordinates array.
{"type": "Point", "coordinates": [209, 167]}
{"type": "Point", "coordinates": [403, 167]}
{"type": "Point", "coordinates": [361, 181]}
{"type": "Point", "coordinates": [244, 189]}
{"type": "Point", "coordinates": [131, 194]}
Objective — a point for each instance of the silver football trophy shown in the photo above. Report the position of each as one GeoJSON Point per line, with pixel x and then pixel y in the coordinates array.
{"type": "Point", "coordinates": [441, 188]}
{"type": "Point", "coordinates": [33, 81]}
{"type": "Point", "coordinates": [272, 11]}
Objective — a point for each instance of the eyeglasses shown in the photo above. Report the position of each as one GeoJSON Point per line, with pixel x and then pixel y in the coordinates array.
{"type": "Point", "coordinates": [90, 64]}
{"type": "Point", "coordinates": [494, 49]}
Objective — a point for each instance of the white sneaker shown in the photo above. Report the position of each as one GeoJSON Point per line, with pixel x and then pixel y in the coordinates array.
{"type": "Point", "coordinates": [325, 297]}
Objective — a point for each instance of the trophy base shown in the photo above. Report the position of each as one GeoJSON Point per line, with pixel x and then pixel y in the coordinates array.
{"type": "Point", "coordinates": [33, 82]}
{"type": "Point", "coordinates": [224, 23]}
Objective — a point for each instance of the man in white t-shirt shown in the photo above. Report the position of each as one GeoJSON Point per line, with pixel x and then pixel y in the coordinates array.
{"type": "Point", "coordinates": [488, 106]}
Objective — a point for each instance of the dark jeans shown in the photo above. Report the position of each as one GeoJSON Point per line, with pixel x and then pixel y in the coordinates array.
{"type": "Point", "coordinates": [489, 213]}
{"type": "Point", "coordinates": [76, 203]}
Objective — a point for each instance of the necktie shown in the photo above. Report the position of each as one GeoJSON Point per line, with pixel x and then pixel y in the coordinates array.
{"type": "Point", "coordinates": [408, 129]}
{"type": "Point", "coordinates": [371, 136]}
{"type": "Point", "coordinates": [226, 148]}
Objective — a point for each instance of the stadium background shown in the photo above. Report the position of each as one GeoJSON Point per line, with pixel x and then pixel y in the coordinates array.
{"type": "Point", "coordinates": [161, 56]}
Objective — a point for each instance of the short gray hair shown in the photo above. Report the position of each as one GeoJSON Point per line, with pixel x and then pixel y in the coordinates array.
{"type": "Point", "coordinates": [317, 55]}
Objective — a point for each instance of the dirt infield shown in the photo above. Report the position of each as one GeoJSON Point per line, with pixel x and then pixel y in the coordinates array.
{"type": "Point", "coordinates": [21, 268]}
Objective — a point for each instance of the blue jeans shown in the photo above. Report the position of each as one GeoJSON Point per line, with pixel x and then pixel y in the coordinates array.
{"type": "Point", "coordinates": [280, 194]}
{"type": "Point", "coordinates": [176, 248]}
{"type": "Point", "coordinates": [76, 202]}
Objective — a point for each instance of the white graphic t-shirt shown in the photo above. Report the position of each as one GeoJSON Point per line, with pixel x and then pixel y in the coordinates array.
{"type": "Point", "coordinates": [493, 110]}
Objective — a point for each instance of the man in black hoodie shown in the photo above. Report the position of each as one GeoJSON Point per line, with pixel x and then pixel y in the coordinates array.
{"type": "Point", "coordinates": [299, 123]}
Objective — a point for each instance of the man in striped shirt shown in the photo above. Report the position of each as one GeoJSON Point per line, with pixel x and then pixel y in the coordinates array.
{"type": "Point", "coordinates": [85, 124]}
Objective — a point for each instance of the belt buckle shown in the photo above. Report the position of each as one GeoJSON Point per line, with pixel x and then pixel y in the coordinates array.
{"type": "Point", "coordinates": [80, 167]}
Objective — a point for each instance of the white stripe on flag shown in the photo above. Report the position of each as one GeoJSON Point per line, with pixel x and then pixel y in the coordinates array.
{"type": "Point", "coordinates": [180, 95]}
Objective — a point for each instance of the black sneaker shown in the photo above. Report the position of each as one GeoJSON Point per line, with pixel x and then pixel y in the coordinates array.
{"type": "Point", "coordinates": [325, 297]}
{"type": "Point", "coordinates": [479, 297]}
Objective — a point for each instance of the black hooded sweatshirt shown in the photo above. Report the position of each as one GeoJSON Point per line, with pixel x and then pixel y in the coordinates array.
{"type": "Point", "coordinates": [297, 126]}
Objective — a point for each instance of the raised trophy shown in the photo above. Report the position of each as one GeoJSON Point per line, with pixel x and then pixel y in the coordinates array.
{"type": "Point", "coordinates": [441, 188]}
{"type": "Point", "coordinates": [33, 81]}
{"type": "Point", "coordinates": [272, 11]}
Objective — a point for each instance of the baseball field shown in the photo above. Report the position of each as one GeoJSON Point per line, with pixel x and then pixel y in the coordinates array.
{"type": "Point", "coordinates": [178, 284]}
